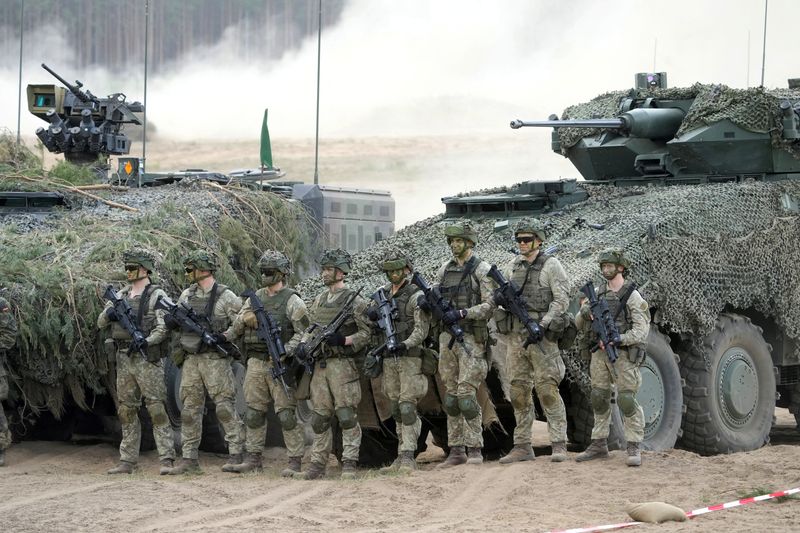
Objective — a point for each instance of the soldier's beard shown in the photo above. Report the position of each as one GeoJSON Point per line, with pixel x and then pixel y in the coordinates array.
{"type": "Point", "coordinates": [329, 280]}
{"type": "Point", "coordinates": [609, 274]}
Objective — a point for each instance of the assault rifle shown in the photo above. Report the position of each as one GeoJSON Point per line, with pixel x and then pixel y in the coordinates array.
{"type": "Point", "coordinates": [439, 307]}
{"type": "Point", "coordinates": [190, 321]}
{"type": "Point", "coordinates": [602, 322]}
{"type": "Point", "coordinates": [386, 310]}
{"type": "Point", "coordinates": [269, 332]}
{"type": "Point", "coordinates": [510, 298]}
{"type": "Point", "coordinates": [126, 318]}
{"type": "Point", "coordinates": [320, 332]}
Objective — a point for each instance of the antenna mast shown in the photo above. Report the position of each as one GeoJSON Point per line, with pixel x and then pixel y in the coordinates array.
{"type": "Point", "coordinates": [316, 138]}
{"type": "Point", "coordinates": [764, 49]}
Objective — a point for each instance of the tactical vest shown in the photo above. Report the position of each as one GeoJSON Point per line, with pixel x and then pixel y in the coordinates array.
{"type": "Point", "coordinates": [623, 320]}
{"type": "Point", "coordinates": [276, 307]}
{"type": "Point", "coordinates": [404, 324]}
{"type": "Point", "coordinates": [204, 305]}
{"type": "Point", "coordinates": [527, 276]}
{"type": "Point", "coordinates": [148, 317]}
{"type": "Point", "coordinates": [326, 312]}
{"type": "Point", "coordinates": [460, 285]}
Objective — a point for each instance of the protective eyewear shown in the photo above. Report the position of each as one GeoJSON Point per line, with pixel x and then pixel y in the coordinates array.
{"type": "Point", "coordinates": [525, 240]}
{"type": "Point", "coordinates": [269, 272]}
{"type": "Point", "coordinates": [131, 268]}
{"type": "Point", "coordinates": [188, 270]}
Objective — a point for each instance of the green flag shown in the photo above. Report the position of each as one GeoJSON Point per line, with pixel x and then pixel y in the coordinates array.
{"type": "Point", "coordinates": [266, 147]}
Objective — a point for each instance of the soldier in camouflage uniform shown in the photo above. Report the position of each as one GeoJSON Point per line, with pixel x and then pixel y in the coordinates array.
{"type": "Point", "coordinates": [544, 287]}
{"type": "Point", "coordinates": [632, 316]}
{"type": "Point", "coordinates": [8, 338]}
{"type": "Point", "coordinates": [335, 385]}
{"type": "Point", "coordinates": [205, 368]}
{"type": "Point", "coordinates": [260, 389]}
{"type": "Point", "coordinates": [463, 280]}
{"type": "Point", "coordinates": [138, 376]}
{"type": "Point", "coordinates": [403, 381]}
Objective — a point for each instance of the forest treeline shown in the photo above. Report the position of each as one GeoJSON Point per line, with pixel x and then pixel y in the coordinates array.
{"type": "Point", "coordinates": [110, 33]}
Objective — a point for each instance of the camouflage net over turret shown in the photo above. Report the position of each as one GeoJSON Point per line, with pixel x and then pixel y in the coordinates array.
{"type": "Point", "coordinates": [754, 109]}
{"type": "Point", "coordinates": [55, 267]}
{"type": "Point", "coordinates": [696, 251]}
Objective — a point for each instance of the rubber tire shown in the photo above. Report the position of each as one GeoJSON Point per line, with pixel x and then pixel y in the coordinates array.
{"type": "Point", "coordinates": [378, 446]}
{"type": "Point", "coordinates": [705, 430]}
{"type": "Point", "coordinates": [661, 366]}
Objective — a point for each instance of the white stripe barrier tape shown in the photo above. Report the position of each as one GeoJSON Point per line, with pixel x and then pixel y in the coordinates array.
{"type": "Point", "coordinates": [689, 514]}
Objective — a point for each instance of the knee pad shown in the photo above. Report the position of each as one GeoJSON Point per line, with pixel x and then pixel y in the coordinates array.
{"type": "Point", "coordinates": [127, 414]}
{"type": "Point", "coordinates": [396, 411]}
{"type": "Point", "coordinates": [158, 414]}
{"type": "Point", "coordinates": [601, 400]}
{"type": "Point", "coordinates": [320, 423]}
{"type": "Point", "coordinates": [347, 417]}
{"type": "Point", "coordinates": [469, 406]}
{"type": "Point", "coordinates": [548, 395]}
{"type": "Point", "coordinates": [521, 398]}
{"type": "Point", "coordinates": [408, 413]}
{"type": "Point", "coordinates": [627, 402]}
{"type": "Point", "coordinates": [287, 418]}
{"type": "Point", "coordinates": [450, 405]}
{"type": "Point", "coordinates": [225, 412]}
{"type": "Point", "coordinates": [254, 419]}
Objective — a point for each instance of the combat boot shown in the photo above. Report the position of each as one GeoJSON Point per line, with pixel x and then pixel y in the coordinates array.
{"type": "Point", "coordinates": [292, 468]}
{"type": "Point", "coordinates": [2, 458]}
{"type": "Point", "coordinates": [520, 452]}
{"type": "Point", "coordinates": [392, 467]}
{"type": "Point", "coordinates": [634, 454]}
{"type": "Point", "coordinates": [474, 456]}
{"type": "Point", "coordinates": [186, 466]}
{"type": "Point", "coordinates": [123, 467]}
{"type": "Point", "coordinates": [251, 463]}
{"type": "Point", "coordinates": [456, 457]}
{"type": "Point", "coordinates": [407, 462]}
{"type": "Point", "coordinates": [234, 460]}
{"type": "Point", "coordinates": [598, 449]}
{"type": "Point", "coordinates": [314, 471]}
{"type": "Point", "coordinates": [559, 452]}
{"type": "Point", "coordinates": [348, 469]}
{"type": "Point", "coordinates": [165, 465]}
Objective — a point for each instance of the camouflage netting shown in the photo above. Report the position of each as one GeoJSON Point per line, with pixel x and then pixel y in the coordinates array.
{"type": "Point", "coordinates": [696, 250]}
{"type": "Point", "coordinates": [755, 109]}
{"type": "Point", "coordinates": [56, 266]}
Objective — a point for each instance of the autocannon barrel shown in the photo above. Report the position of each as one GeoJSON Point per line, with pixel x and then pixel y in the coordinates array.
{"type": "Point", "coordinates": [645, 122]}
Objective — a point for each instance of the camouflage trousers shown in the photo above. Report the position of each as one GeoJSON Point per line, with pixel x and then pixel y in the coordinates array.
{"type": "Point", "coordinates": [538, 367]}
{"type": "Point", "coordinates": [259, 391]}
{"type": "Point", "coordinates": [203, 372]}
{"type": "Point", "coordinates": [628, 379]}
{"type": "Point", "coordinates": [137, 379]}
{"type": "Point", "coordinates": [462, 375]}
{"type": "Point", "coordinates": [5, 433]}
{"type": "Point", "coordinates": [335, 389]}
{"type": "Point", "coordinates": [404, 383]}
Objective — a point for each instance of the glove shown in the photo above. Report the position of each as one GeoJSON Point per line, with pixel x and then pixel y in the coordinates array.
{"type": "Point", "coordinates": [334, 339]}
{"type": "Point", "coordinates": [423, 304]}
{"type": "Point", "coordinates": [373, 366]}
{"type": "Point", "coordinates": [250, 320]}
{"type": "Point", "coordinates": [453, 316]}
{"type": "Point", "coordinates": [301, 352]}
{"type": "Point", "coordinates": [112, 315]}
{"type": "Point", "coordinates": [141, 345]}
{"type": "Point", "coordinates": [500, 299]}
{"type": "Point", "coordinates": [399, 349]}
{"type": "Point", "coordinates": [219, 338]}
{"type": "Point", "coordinates": [372, 313]}
{"type": "Point", "coordinates": [170, 322]}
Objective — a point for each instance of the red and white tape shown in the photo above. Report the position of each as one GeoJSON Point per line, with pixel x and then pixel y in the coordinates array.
{"type": "Point", "coordinates": [689, 514]}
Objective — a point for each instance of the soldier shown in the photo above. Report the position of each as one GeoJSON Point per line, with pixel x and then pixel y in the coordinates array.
{"type": "Point", "coordinates": [464, 282]}
{"type": "Point", "coordinates": [632, 316]}
{"type": "Point", "coordinates": [260, 389]}
{"type": "Point", "coordinates": [138, 376]}
{"type": "Point", "coordinates": [403, 381]}
{"type": "Point", "coordinates": [8, 338]}
{"type": "Point", "coordinates": [335, 385]}
{"type": "Point", "coordinates": [544, 287]}
{"type": "Point", "coordinates": [205, 368]}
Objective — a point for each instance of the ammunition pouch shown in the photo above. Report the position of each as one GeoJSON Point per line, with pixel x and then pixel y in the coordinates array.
{"type": "Point", "coordinates": [430, 361]}
{"type": "Point", "coordinates": [373, 366]}
{"type": "Point", "coordinates": [504, 321]}
{"type": "Point", "coordinates": [110, 348]}
{"type": "Point", "coordinates": [636, 354]}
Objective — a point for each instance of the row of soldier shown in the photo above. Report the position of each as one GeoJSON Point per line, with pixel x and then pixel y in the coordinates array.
{"type": "Point", "coordinates": [471, 297]}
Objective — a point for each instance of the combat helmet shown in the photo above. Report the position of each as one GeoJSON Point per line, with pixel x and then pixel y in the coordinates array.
{"type": "Point", "coordinates": [614, 256]}
{"type": "Point", "coordinates": [141, 257]}
{"type": "Point", "coordinates": [531, 225]}
{"type": "Point", "coordinates": [336, 258]}
{"type": "Point", "coordinates": [276, 260]}
{"type": "Point", "coordinates": [463, 231]}
{"type": "Point", "coordinates": [201, 259]}
{"type": "Point", "coordinates": [395, 260]}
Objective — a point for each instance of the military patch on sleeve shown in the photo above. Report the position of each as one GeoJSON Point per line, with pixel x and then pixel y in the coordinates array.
{"type": "Point", "coordinates": [643, 306]}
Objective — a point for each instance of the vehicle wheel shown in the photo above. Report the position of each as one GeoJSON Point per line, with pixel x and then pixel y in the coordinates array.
{"type": "Point", "coordinates": [580, 421]}
{"type": "Point", "coordinates": [730, 401]}
{"type": "Point", "coordinates": [378, 446]}
{"type": "Point", "coordinates": [213, 439]}
{"type": "Point", "coordinates": [661, 394]}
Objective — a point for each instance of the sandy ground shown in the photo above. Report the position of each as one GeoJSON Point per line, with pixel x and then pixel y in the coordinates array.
{"type": "Point", "coordinates": [62, 487]}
